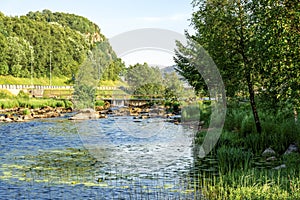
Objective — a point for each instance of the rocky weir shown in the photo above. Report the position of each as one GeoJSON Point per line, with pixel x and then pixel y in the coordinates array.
{"type": "Point", "coordinates": [138, 113]}
{"type": "Point", "coordinates": [25, 114]}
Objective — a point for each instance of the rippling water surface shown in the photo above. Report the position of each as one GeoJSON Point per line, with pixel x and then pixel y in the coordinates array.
{"type": "Point", "coordinates": [112, 158]}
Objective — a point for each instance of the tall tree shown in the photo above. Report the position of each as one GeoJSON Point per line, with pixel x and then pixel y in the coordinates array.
{"type": "Point", "coordinates": [277, 32]}
{"type": "Point", "coordinates": [223, 30]}
{"type": "Point", "coordinates": [86, 84]}
{"type": "Point", "coordinates": [145, 80]}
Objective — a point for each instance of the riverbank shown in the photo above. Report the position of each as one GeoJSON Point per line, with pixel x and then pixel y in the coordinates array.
{"type": "Point", "coordinates": [26, 114]}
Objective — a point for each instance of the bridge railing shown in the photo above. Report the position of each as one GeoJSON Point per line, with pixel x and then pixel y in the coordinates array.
{"type": "Point", "coordinates": [41, 87]}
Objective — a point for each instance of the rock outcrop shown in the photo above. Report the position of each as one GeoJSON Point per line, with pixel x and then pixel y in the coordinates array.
{"type": "Point", "coordinates": [85, 114]}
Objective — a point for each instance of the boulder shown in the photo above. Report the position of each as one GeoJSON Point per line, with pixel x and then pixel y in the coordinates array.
{"type": "Point", "coordinates": [106, 105]}
{"type": "Point", "coordinates": [103, 116]}
{"type": "Point", "coordinates": [99, 108]}
{"type": "Point", "coordinates": [268, 152]}
{"type": "Point", "coordinates": [85, 114]}
{"type": "Point", "coordinates": [280, 167]}
{"type": "Point", "coordinates": [293, 148]}
{"type": "Point", "coordinates": [8, 120]}
{"type": "Point", "coordinates": [19, 119]}
{"type": "Point", "coordinates": [47, 108]}
{"type": "Point", "coordinates": [52, 114]}
{"type": "Point", "coordinates": [272, 158]}
{"type": "Point", "coordinates": [27, 117]}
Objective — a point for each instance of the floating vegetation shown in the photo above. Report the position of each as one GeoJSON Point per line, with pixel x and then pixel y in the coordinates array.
{"type": "Point", "coordinates": [76, 167]}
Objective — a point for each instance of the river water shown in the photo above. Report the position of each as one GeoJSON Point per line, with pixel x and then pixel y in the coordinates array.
{"type": "Point", "coordinates": [111, 158]}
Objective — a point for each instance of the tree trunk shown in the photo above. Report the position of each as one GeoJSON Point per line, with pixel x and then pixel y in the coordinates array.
{"type": "Point", "coordinates": [252, 102]}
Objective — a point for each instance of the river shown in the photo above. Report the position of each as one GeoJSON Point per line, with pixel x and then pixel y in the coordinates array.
{"type": "Point", "coordinates": [110, 158]}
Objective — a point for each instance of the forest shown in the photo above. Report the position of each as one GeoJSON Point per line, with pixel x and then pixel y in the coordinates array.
{"type": "Point", "coordinates": [33, 43]}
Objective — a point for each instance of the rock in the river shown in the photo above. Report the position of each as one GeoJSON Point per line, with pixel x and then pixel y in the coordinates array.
{"type": "Point", "coordinates": [8, 119]}
{"type": "Point", "coordinates": [268, 152]}
{"type": "Point", "coordinates": [272, 158]}
{"type": "Point", "coordinates": [102, 116]}
{"type": "Point", "coordinates": [293, 148]}
{"type": "Point", "coordinates": [280, 167]}
{"type": "Point", "coordinates": [85, 114]}
{"type": "Point", "coordinates": [27, 117]}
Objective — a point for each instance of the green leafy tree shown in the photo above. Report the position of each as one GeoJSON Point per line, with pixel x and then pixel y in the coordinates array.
{"type": "Point", "coordinates": [4, 69]}
{"type": "Point", "coordinates": [255, 45]}
{"type": "Point", "coordinates": [278, 46]}
{"type": "Point", "coordinates": [173, 86]}
{"type": "Point", "coordinates": [145, 80]}
{"type": "Point", "coordinates": [85, 85]}
{"type": "Point", "coordinates": [70, 37]}
{"type": "Point", "coordinates": [223, 29]}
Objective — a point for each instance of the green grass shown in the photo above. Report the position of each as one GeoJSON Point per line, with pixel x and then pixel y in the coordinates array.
{"type": "Point", "coordinates": [112, 83]}
{"type": "Point", "coordinates": [10, 80]}
{"type": "Point", "coordinates": [239, 171]}
{"type": "Point", "coordinates": [57, 81]}
{"type": "Point", "coordinates": [251, 184]}
{"type": "Point", "coordinates": [61, 93]}
{"type": "Point", "coordinates": [33, 103]}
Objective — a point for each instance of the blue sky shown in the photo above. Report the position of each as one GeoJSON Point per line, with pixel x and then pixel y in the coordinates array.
{"type": "Point", "coordinates": [113, 16]}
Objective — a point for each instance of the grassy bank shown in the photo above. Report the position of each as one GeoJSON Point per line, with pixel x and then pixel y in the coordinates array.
{"type": "Point", "coordinates": [57, 81]}
{"type": "Point", "coordinates": [22, 100]}
{"type": "Point", "coordinates": [10, 80]}
{"type": "Point", "coordinates": [33, 103]}
{"type": "Point", "coordinates": [236, 168]}
{"type": "Point", "coordinates": [252, 184]}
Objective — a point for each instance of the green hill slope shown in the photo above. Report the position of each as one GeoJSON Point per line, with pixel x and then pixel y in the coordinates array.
{"type": "Point", "coordinates": [29, 43]}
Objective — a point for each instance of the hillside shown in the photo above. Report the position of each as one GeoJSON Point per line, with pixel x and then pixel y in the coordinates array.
{"type": "Point", "coordinates": [29, 42]}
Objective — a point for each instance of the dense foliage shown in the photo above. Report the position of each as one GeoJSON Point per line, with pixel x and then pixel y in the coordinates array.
{"type": "Point", "coordinates": [255, 45]}
{"type": "Point", "coordinates": [147, 81]}
{"type": "Point", "coordinates": [28, 44]}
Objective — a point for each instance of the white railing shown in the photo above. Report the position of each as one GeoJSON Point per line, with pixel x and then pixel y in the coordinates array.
{"type": "Point", "coordinates": [42, 87]}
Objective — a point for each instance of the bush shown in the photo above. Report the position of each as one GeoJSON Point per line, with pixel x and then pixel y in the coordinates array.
{"type": "Point", "coordinates": [23, 95]}
{"type": "Point", "coordinates": [68, 104]}
{"type": "Point", "coordinates": [23, 103]}
{"type": "Point", "coordinates": [99, 103]}
{"type": "Point", "coordinates": [60, 104]}
{"type": "Point", "coordinates": [4, 69]}
{"type": "Point", "coordinates": [26, 112]}
{"type": "Point", "coordinates": [5, 94]}
{"type": "Point", "coordinates": [8, 103]}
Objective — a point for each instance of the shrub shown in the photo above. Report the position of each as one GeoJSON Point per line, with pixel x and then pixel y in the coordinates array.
{"type": "Point", "coordinates": [23, 95]}
{"type": "Point", "coordinates": [9, 103]}
{"type": "Point", "coordinates": [5, 94]}
{"type": "Point", "coordinates": [4, 69]}
{"type": "Point", "coordinates": [60, 104]}
{"type": "Point", "coordinates": [26, 112]}
{"type": "Point", "coordinates": [99, 103]}
{"type": "Point", "coordinates": [23, 103]}
{"type": "Point", "coordinates": [68, 104]}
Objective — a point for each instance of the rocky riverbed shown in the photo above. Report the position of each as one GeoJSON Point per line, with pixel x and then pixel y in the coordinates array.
{"type": "Point", "coordinates": [142, 112]}
{"type": "Point", "coordinates": [25, 114]}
